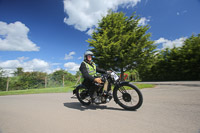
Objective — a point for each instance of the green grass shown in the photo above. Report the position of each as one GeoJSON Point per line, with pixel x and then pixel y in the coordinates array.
{"type": "Point", "coordinates": [37, 91]}
{"type": "Point", "coordinates": [141, 86]}
{"type": "Point", "coordinates": [56, 90]}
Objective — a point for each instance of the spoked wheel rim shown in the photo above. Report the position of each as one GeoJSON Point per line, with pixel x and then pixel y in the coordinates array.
{"type": "Point", "coordinates": [83, 96]}
{"type": "Point", "coordinates": [128, 96]}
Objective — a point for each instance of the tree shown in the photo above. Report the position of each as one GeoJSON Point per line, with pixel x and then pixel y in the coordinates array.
{"type": "Point", "coordinates": [177, 63]}
{"type": "Point", "coordinates": [60, 76]}
{"type": "Point", "coordinates": [78, 73]}
{"type": "Point", "coordinates": [119, 43]}
{"type": "Point", "coordinates": [19, 71]}
{"type": "Point", "coordinates": [1, 72]}
{"type": "Point", "coordinates": [32, 80]}
{"type": "Point", "coordinates": [190, 53]}
{"type": "Point", "coordinates": [3, 80]}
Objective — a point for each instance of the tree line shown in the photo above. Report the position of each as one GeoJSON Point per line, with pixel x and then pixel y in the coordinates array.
{"type": "Point", "coordinates": [177, 63]}
{"type": "Point", "coordinates": [121, 44]}
{"type": "Point", "coordinates": [30, 80]}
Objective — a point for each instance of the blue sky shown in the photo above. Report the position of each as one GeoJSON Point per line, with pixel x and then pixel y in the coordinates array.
{"type": "Point", "coordinates": [48, 35]}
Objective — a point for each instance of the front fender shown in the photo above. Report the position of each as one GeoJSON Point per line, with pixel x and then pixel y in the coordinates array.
{"type": "Point", "coordinates": [121, 83]}
{"type": "Point", "coordinates": [124, 83]}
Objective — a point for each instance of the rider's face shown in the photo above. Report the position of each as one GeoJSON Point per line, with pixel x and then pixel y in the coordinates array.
{"type": "Point", "coordinates": [89, 57]}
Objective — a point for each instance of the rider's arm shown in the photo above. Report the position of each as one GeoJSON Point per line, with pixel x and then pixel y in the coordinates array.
{"type": "Point", "coordinates": [99, 70]}
{"type": "Point", "coordinates": [85, 73]}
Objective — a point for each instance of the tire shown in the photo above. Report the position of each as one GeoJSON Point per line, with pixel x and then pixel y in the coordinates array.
{"type": "Point", "coordinates": [128, 96]}
{"type": "Point", "coordinates": [82, 93]}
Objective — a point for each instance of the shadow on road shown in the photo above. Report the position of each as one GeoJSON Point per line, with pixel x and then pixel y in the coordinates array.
{"type": "Point", "coordinates": [79, 106]}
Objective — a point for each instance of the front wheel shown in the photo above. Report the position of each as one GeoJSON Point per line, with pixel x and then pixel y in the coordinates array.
{"type": "Point", "coordinates": [128, 96]}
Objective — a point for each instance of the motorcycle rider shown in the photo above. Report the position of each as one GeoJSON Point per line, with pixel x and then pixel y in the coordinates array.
{"type": "Point", "coordinates": [89, 73]}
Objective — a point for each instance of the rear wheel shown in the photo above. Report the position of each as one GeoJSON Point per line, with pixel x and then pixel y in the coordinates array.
{"type": "Point", "coordinates": [82, 94]}
{"type": "Point", "coordinates": [128, 96]}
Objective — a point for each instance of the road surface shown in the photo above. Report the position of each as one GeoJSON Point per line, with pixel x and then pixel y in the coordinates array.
{"type": "Point", "coordinates": [167, 108]}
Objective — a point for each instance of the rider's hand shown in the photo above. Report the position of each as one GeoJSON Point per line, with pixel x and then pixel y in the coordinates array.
{"type": "Point", "coordinates": [98, 80]}
{"type": "Point", "coordinates": [108, 72]}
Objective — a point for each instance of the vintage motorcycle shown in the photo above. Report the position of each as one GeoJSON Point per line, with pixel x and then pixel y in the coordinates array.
{"type": "Point", "coordinates": [127, 95]}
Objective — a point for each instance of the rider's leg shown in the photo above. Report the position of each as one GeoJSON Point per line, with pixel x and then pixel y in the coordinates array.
{"type": "Point", "coordinates": [93, 94]}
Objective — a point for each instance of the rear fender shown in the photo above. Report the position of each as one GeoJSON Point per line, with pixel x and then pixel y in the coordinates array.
{"type": "Point", "coordinates": [79, 86]}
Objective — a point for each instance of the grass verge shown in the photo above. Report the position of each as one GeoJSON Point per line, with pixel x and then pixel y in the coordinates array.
{"type": "Point", "coordinates": [56, 90]}
{"type": "Point", "coordinates": [38, 91]}
{"type": "Point", "coordinates": [141, 86]}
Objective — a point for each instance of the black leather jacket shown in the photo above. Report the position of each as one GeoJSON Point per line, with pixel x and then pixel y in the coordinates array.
{"type": "Point", "coordinates": [85, 73]}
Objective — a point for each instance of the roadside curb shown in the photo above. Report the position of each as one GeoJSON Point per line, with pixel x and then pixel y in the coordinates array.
{"type": "Point", "coordinates": [183, 83]}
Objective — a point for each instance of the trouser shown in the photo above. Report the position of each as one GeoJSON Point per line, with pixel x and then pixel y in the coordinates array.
{"type": "Point", "coordinates": [91, 87]}
{"type": "Point", "coordinates": [92, 90]}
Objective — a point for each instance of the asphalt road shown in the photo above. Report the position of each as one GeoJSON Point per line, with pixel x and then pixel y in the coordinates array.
{"type": "Point", "coordinates": [171, 108]}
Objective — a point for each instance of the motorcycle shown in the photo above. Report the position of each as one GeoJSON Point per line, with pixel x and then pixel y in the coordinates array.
{"type": "Point", "coordinates": [125, 94]}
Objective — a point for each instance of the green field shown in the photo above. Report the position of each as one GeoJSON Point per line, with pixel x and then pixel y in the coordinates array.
{"type": "Point", "coordinates": [56, 90]}
{"type": "Point", "coordinates": [141, 86]}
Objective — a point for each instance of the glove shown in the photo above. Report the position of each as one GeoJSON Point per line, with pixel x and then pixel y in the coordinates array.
{"type": "Point", "coordinates": [109, 72]}
{"type": "Point", "coordinates": [98, 80]}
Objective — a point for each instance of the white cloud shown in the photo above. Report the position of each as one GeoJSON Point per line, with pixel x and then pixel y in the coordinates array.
{"type": "Point", "coordinates": [90, 31]}
{"type": "Point", "coordinates": [36, 65]}
{"type": "Point", "coordinates": [170, 44]}
{"type": "Point", "coordinates": [28, 66]}
{"type": "Point", "coordinates": [14, 37]}
{"type": "Point", "coordinates": [10, 64]}
{"type": "Point", "coordinates": [85, 14]}
{"type": "Point", "coordinates": [71, 66]}
{"type": "Point", "coordinates": [181, 12]}
{"type": "Point", "coordinates": [55, 64]}
{"type": "Point", "coordinates": [57, 69]}
{"type": "Point", "coordinates": [70, 55]}
{"type": "Point", "coordinates": [143, 21]}
{"type": "Point", "coordinates": [185, 11]}
{"type": "Point", "coordinates": [21, 59]}
{"type": "Point", "coordinates": [80, 58]}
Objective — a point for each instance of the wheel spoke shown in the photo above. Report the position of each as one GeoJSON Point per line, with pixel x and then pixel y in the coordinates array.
{"type": "Point", "coordinates": [120, 98]}
{"type": "Point", "coordinates": [122, 90]}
